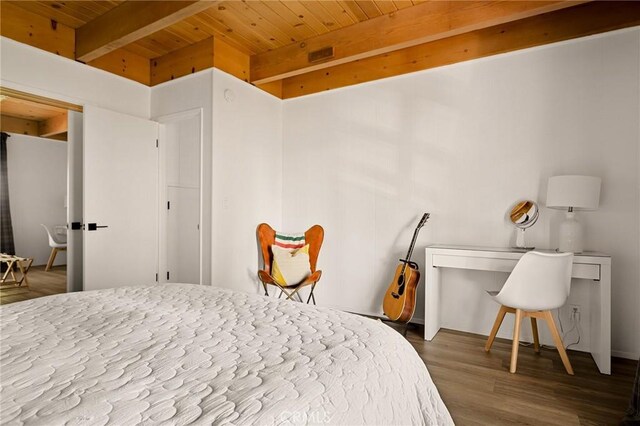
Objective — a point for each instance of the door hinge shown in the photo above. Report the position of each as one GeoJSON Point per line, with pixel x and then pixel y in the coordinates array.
{"type": "Point", "coordinates": [156, 277]}
{"type": "Point", "coordinates": [157, 143]}
{"type": "Point", "coordinates": [168, 205]}
{"type": "Point", "coordinates": [167, 275]}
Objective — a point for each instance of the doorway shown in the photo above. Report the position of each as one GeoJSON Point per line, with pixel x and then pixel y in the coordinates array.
{"type": "Point", "coordinates": [36, 159]}
{"type": "Point", "coordinates": [180, 146]}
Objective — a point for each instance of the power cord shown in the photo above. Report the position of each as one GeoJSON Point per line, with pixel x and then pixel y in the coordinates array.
{"type": "Point", "coordinates": [575, 317]}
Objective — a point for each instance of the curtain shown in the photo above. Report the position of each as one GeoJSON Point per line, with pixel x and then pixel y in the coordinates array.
{"type": "Point", "coordinates": [633, 413]}
{"type": "Point", "coordinates": [6, 229]}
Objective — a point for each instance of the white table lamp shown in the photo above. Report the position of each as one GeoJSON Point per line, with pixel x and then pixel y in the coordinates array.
{"type": "Point", "coordinates": [573, 193]}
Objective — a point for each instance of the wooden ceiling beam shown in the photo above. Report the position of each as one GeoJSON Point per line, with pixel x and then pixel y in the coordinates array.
{"type": "Point", "coordinates": [579, 21]}
{"type": "Point", "coordinates": [131, 21]}
{"type": "Point", "coordinates": [429, 21]}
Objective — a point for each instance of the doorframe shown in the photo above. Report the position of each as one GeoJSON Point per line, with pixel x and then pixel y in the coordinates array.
{"type": "Point", "coordinates": [163, 120]}
{"type": "Point", "coordinates": [31, 96]}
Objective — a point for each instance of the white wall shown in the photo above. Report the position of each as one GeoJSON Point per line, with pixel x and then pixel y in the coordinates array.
{"type": "Point", "coordinates": [464, 142]}
{"type": "Point", "coordinates": [26, 68]}
{"type": "Point", "coordinates": [37, 189]}
{"type": "Point", "coordinates": [247, 177]}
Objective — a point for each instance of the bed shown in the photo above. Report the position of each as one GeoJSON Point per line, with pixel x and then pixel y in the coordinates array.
{"type": "Point", "coordinates": [188, 354]}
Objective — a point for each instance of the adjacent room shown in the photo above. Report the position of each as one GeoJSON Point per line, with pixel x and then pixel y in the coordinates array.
{"type": "Point", "coordinates": [35, 163]}
{"type": "Point", "coordinates": [320, 212]}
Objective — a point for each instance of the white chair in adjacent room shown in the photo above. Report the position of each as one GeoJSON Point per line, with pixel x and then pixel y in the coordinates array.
{"type": "Point", "coordinates": [539, 283]}
{"type": "Point", "coordinates": [56, 244]}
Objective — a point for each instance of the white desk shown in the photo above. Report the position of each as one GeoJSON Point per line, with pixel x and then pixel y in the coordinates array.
{"type": "Point", "coordinates": [588, 265]}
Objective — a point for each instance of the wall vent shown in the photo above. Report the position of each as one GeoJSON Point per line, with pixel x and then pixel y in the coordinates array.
{"type": "Point", "coordinates": [321, 54]}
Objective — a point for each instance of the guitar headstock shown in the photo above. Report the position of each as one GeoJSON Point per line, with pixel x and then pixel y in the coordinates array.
{"type": "Point", "coordinates": [424, 219]}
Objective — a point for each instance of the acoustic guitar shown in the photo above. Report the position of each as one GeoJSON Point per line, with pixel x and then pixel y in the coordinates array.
{"type": "Point", "coordinates": [400, 299]}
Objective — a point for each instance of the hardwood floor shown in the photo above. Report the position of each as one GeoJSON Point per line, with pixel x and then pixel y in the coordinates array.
{"type": "Point", "coordinates": [479, 390]}
{"type": "Point", "coordinates": [41, 283]}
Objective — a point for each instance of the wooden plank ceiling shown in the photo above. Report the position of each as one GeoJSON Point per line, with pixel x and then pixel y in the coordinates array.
{"type": "Point", "coordinates": [271, 43]}
{"type": "Point", "coordinates": [32, 118]}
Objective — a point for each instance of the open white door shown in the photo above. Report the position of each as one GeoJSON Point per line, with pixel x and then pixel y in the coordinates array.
{"type": "Point", "coordinates": [120, 199]}
{"type": "Point", "coordinates": [74, 201]}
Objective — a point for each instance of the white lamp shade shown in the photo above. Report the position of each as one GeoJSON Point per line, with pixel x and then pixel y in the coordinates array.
{"type": "Point", "coordinates": [579, 192]}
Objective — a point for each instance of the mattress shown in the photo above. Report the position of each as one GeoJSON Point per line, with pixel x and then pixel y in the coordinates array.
{"type": "Point", "coordinates": [188, 354]}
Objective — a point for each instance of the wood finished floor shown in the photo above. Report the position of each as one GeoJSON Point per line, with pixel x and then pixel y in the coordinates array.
{"type": "Point", "coordinates": [479, 390]}
{"type": "Point", "coordinates": [41, 283]}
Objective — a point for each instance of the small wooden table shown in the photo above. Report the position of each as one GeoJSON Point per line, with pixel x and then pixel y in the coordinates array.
{"type": "Point", "coordinates": [23, 264]}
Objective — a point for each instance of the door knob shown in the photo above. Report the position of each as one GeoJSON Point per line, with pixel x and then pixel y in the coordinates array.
{"type": "Point", "coordinates": [94, 227]}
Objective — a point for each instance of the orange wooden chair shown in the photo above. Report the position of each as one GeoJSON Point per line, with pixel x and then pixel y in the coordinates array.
{"type": "Point", "coordinates": [267, 237]}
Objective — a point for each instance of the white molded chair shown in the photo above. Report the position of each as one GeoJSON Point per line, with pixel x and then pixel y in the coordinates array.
{"type": "Point", "coordinates": [56, 245]}
{"type": "Point", "coordinates": [539, 283]}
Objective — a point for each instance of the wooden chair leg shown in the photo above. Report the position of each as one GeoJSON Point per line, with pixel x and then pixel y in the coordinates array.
{"type": "Point", "coordinates": [536, 339]}
{"type": "Point", "coordinates": [9, 266]}
{"type": "Point", "coordinates": [24, 271]}
{"type": "Point", "coordinates": [289, 295]}
{"type": "Point", "coordinates": [558, 341]}
{"type": "Point", "coordinates": [52, 257]}
{"type": "Point", "coordinates": [8, 271]}
{"type": "Point", "coordinates": [516, 342]}
{"type": "Point", "coordinates": [496, 326]}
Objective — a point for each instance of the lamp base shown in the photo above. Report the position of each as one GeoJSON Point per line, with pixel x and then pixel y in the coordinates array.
{"type": "Point", "coordinates": [571, 236]}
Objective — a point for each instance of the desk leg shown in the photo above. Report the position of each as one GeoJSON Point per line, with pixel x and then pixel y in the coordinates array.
{"type": "Point", "coordinates": [431, 299]}
{"type": "Point", "coordinates": [600, 323]}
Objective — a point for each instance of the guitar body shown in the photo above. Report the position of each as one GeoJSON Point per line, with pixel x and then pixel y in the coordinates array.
{"type": "Point", "coordinates": [400, 299]}
{"type": "Point", "coordinates": [399, 302]}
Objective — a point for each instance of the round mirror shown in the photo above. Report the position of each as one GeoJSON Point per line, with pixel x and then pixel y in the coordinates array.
{"type": "Point", "coordinates": [524, 214]}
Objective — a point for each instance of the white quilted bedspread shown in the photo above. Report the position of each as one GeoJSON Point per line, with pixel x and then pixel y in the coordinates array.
{"type": "Point", "coordinates": [187, 354]}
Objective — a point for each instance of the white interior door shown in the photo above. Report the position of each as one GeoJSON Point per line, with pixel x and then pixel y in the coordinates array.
{"type": "Point", "coordinates": [74, 201]}
{"type": "Point", "coordinates": [120, 199]}
{"type": "Point", "coordinates": [180, 203]}
{"type": "Point", "coordinates": [183, 235]}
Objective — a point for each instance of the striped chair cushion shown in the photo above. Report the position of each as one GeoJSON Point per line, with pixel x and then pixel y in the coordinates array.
{"type": "Point", "coordinates": [289, 241]}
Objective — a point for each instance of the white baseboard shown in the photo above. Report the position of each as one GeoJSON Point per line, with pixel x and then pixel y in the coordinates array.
{"type": "Point", "coordinates": [627, 355]}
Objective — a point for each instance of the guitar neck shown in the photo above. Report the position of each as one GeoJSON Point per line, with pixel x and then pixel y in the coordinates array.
{"type": "Point", "coordinates": [424, 219]}
{"type": "Point", "coordinates": [413, 243]}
